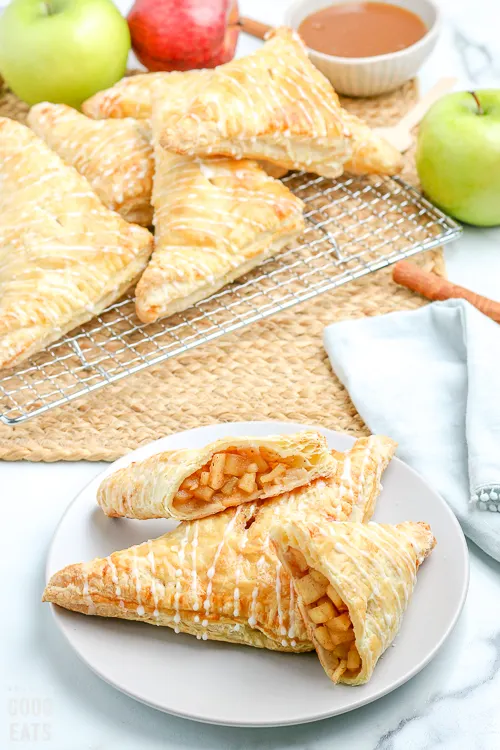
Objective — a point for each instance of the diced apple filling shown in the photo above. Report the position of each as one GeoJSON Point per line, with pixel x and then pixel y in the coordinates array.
{"type": "Point", "coordinates": [241, 474]}
{"type": "Point", "coordinates": [332, 624]}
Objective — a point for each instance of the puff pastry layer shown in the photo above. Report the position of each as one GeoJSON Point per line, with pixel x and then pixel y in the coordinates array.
{"type": "Point", "coordinates": [134, 97]}
{"type": "Point", "coordinates": [371, 154]}
{"type": "Point", "coordinates": [64, 257]}
{"type": "Point", "coordinates": [114, 155]}
{"type": "Point", "coordinates": [219, 577]}
{"type": "Point", "coordinates": [194, 483]}
{"type": "Point", "coordinates": [354, 582]}
{"type": "Point", "coordinates": [215, 220]}
{"type": "Point", "coordinates": [273, 105]}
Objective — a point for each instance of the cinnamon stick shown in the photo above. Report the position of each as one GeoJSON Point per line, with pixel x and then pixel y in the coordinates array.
{"type": "Point", "coordinates": [254, 28]}
{"type": "Point", "coordinates": [435, 288]}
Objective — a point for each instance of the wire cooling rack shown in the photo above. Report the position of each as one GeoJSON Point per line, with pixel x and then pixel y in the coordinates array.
{"type": "Point", "coordinates": [354, 226]}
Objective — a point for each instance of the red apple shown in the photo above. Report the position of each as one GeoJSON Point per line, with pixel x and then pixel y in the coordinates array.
{"type": "Point", "coordinates": [184, 34]}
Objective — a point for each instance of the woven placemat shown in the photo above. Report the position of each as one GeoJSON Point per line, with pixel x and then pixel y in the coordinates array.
{"type": "Point", "coordinates": [276, 369]}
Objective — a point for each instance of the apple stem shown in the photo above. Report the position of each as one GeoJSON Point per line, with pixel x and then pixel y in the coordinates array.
{"type": "Point", "coordinates": [480, 110]}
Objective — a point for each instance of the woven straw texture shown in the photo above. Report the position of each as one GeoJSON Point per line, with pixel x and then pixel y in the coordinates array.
{"type": "Point", "coordinates": [276, 369]}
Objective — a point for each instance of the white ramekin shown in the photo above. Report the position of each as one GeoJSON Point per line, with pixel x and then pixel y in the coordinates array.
{"type": "Point", "coordinates": [369, 76]}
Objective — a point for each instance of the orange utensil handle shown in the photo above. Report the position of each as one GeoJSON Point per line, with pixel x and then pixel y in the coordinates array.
{"type": "Point", "coordinates": [254, 28]}
{"type": "Point", "coordinates": [435, 288]}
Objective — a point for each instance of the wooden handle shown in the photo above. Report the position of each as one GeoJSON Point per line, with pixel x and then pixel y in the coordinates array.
{"type": "Point", "coordinates": [254, 28]}
{"type": "Point", "coordinates": [435, 288]}
{"type": "Point", "coordinates": [415, 114]}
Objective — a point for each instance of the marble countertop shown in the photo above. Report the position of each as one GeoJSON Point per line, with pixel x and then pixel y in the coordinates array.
{"type": "Point", "coordinates": [52, 700]}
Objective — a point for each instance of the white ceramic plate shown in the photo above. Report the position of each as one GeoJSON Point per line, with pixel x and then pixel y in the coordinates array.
{"type": "Point", "coordinates": [222, 683]}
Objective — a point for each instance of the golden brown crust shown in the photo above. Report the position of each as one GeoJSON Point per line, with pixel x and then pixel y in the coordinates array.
{"type": "Point", "coordinates": [219, 577]}
{"type": "Point", "coordinates": [215, 220]}
{"type": "Point", "coordinates": [133, 96]}
{"type": "Point", "coordinates": [115, 156]}
{"type": "Point", "coordinates": [368, 152]}
{"type": "Point", "coordinates": [147, 489]}
{"type": "Point", "coordinates": [63, 256]}
{"type": "Point", "coordinates": [130, 97]}
{"type": "Point", "coordinates": [371, 154]}
{"type": "Point", "coordinates": [371, 567]}
{"type": "Point", "coordinates": [272, 105]}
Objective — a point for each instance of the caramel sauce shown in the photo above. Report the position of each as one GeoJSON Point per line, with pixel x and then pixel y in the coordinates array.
{"type": "Point", "coordinates": [362, 29]}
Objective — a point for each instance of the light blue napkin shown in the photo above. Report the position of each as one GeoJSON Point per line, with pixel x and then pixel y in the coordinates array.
{"type": "Point", "coordinates": [430, 379]}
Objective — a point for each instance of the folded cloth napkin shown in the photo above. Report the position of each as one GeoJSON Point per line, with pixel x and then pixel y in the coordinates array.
{"type": "Point", "coordinates": [430, 379]}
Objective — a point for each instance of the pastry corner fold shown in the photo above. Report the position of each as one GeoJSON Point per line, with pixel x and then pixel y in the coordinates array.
{"type": "Point", "coordinates": [354, 582]}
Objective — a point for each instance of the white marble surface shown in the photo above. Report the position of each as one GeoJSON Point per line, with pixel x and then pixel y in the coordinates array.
{"type": "Point", "coordinates": [51, 699]}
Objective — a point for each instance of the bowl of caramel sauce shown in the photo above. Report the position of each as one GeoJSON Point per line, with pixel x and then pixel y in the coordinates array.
{"type": "Point", "coordinates": [366, 47]}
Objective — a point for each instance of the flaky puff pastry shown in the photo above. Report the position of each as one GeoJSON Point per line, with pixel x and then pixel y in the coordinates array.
{"type": "Point", "coordinates": [171, 485]}
{"type": "Point", "coordinates": [219, 577]}
{"type": "Point", "coordinates": [371, 154]}
{"type": "Point", "coordinates": [215, 220]}
{"type": "Point", "coordinates": [360, 576]}
{"type": "Point", "coordinates": [114, 155]}
{"type": "Point", "coordinates": [134, 96]}
{"type": "Point", "coordinates": [272, 105]}
{"type": "Point", "coordinates": [64, 257]}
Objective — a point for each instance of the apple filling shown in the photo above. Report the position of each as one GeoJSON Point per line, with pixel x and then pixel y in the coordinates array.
{"type": "Point", "coordinates": [238, 475]}
{"type": "Point", "coordinates": [329, 616]}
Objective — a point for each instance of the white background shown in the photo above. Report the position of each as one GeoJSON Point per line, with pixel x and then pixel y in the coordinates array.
{"type": "Point", "coordinates": [60, 704]}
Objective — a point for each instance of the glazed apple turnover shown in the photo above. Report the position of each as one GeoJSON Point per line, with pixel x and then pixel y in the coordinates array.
{"type": "Point", "coordinates": [215, 220]}
{"type": "Point", "coordinates": [272, 105]}
{"type": "Point", "coordinates": [353, 582]}
{"type": "Point", "coordinates": [114, 155]}
{"type": "Point", "coordinates": [193, 483]}
{"type": "Point", "coordinates": [219, 577]}
{"type": "Point", "coordinates": [134, 96]}
{"type": "Point", "coordinates": [64, 257]}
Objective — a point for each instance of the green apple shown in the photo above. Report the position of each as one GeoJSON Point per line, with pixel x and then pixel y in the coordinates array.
{"type": "Point", "coordinates": [62, 50]}
{"type": "Point", "coordinates": [458, 156]}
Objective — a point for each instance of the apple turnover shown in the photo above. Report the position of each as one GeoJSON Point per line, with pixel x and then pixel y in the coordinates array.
{"type": "Point", "coordinates": [272, 105]}
{"type": "Point", "coordinates": [134, 96]}
{"type": "Point", "coordinates": [215, 220]}
{"type": "Point", "coordinates": [193, 483]}
{"type": "Point", "coordinates": [64, 257]}
{"type": "Point", "coordinates": [219, 577]}
{"type": "Point", "coordinates": [114, 155]}
{"type": "Point", "coordinates": [353, 582]}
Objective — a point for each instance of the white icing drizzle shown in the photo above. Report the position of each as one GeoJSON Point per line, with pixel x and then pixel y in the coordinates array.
{"type": "Point", "coordinates": [194, 582]}
{"type": "Point", "coordinates": [346, 480]}
{"type": "Point", "coordinates": [211, 571]}
{"type": "Point", "coordinates": [360, 500]}
{"type": "Point", "coordinates": [114, 155]}
{"type": "Point", "coordinates": [154, 591]}
{"type": "Point", "coordinates": [114, 576]}
{"type": "Point", "coordinates": [136, 574]}
{"type": "Point", "coordinates": [178, 574]}
{"type": "Point", "coordinates": [252, 621]}
{"type": "Point", "coordinates": [91, 609]}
